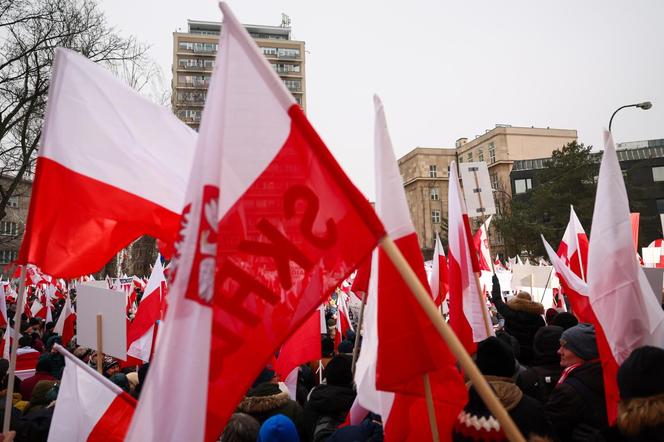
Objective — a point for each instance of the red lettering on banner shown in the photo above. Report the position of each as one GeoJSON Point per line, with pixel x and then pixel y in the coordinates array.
{"type": "Point", "coordinates": [281, 249]}
{"type": "Point", "coordinates": [246, 284]}
{"type": "Point", "coordinates": [300, 192]}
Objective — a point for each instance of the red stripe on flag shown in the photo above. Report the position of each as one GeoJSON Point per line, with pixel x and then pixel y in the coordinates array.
{"type": "Point", "coordinates": [72, 217]}
{"type": "Point", "coordinates": [114, 423]}
{"type": "Point", "coordinates": [458, 320]}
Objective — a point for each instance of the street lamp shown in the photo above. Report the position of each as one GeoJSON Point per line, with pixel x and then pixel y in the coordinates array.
{"type": "Point", "coordinates": [645, 106]}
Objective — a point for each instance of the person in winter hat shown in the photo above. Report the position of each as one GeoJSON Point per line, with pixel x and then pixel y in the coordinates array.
{"type": "Point", "coordinates": [641, 406]}
{"type": "Point", "coordinates": [576, 406]}
{"type": "Point", "coordinates": [523, 317]}
{"type": "Point", "coordinates": [540, 379]}
{"type": "Point", "coordinates": [329, 402]}
{"type": "Point", "coordinates": [565, 320]}
{"type": "Point", "coordinates": [241, 428]}
{"type": "Point", "coordinates": [278, 428]}
{"type": "Point", "coordinates": [475, 422]}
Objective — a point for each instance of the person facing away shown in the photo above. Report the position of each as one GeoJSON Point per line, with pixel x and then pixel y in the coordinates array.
{"type": "Point", "coordinates": [541, 378]}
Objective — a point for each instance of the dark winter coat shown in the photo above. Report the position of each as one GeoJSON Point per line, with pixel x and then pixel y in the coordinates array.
{"type": "Point", "coordinates": [577, 408]}
{"type": "Point", "coordinates": [522, 320]}
{"type": "Point", "coordinates": [266, 400]}
{"type": "Point", "coordinates": [329, 402]}
{"type": "Point", "coordinates": [475, 422]}
{"type": "Point", "coordinates": [541, 378]}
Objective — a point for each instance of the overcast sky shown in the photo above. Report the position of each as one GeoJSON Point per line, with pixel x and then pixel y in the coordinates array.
{"type": "Point", "coordinates": [449, 69]}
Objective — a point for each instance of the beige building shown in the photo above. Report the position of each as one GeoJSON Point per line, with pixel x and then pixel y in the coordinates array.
{"type": "Point", "coordinates": [425, 172]}
{"type": "Point", "coordinates": [194, 55]}
{"type": "Point", "coordinates": [12, 225]}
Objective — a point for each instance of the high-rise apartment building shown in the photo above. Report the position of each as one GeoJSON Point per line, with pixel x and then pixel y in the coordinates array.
{"type": "Point", "coordinates": [194, 55]}
{"type": "Point", "coordinates": [425, 171]}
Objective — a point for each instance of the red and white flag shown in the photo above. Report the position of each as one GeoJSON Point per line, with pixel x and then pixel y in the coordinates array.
{"type": "Point", "coordinates": [140, 333]}
{"type": "Point", "coordinates": [100, 137]}
{"type": "Point", "coordinates": [4, 320]}
{"type": "Point", "coordinates": [89, 407]}
{"type": "Point", "coordinates": [272, 226]}
{"type": "Point", "coordinates": [394, 319]}
{"type": "Point", "coordinates": [577, 292]}
{"type": "Point", "coordinates": [573, 248]}
{"type": "Point", "coordinates": [343, 315]}
{"type": "Point", "coordinates": [361, 282]}
{"type": "Point", "coordinates": [481, 243]}
{"type": "Point", "coordinates": [467, 319]}
{"type": "Point", "coordinates": [619, 292]}
{"type": "Point", "coordinates": [65, 325]}
{"type": "Point", "coordinates": [439, 280]}
{"type": "Point", "coordinates": [303, 346]}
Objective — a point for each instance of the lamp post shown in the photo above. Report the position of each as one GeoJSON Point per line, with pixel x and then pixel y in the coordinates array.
{"type": "Point", "coordinates": [645, 106]}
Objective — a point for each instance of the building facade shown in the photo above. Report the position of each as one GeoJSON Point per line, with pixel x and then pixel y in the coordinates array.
{"type": "Point", "coordinates": [499, 147]}
{"type": "Point", "coordinates": [12, 225]}
{"type": "Point", "coordinates": [194, 55]}
{"type": "Point", "coordinates": [642, 164]}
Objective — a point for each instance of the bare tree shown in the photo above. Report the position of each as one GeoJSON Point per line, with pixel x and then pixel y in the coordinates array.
{"type": "Point", "coordinates": [30, 30]}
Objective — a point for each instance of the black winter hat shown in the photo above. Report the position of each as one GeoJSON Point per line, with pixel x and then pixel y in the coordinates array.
{"type": "Point", "coordinates": [641, 373]}
{"type": "Point", "coordinates": [338, 371]}
{"type": "Point", "coordinates": [495, 358]}
{"type": "Point", "coordinates": [346, 347]}
{"type": "Point", "coordinates": [547, 342]}
{"type": "Point", "coordinates": [565, 320]}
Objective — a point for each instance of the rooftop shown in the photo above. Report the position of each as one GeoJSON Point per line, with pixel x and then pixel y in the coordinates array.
{"type": "Point", "coordinates": [257, 31]}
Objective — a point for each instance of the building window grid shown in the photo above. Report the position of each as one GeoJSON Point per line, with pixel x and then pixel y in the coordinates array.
{"type": "Point", "coordinates": [470, 157]}
{"type": "Point", "coordinates": [7, 256]}
{"type": "Point", "coordinates": [522, 185]}
{"type": "Point", "coordinates": [492, 153]}
{"type": "Point", "coordinates": [435, 196]}
{"type": "Point", "coordinates": [494, 180]}
{"type": "Point", "coordinates": [480, 155]}
{"type": "Point", "coordinates": [435, 216]}
{"type": "Point", "coordinates": [8, 228]}
{"type": "Point", "coordinates": [658, 173]}
{"type": "Point", "coordinates": [13, 202]}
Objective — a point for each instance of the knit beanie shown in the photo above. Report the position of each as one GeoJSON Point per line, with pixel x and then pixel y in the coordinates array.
{"type": "Point", "coordinates": [546, 344]}
{"type": "Point", "coordinates": [641, 373]}
{"type": "Point", "coordinates": [278, 428]}
{"type": "Point", "coordinates": [580, 340]}
{"type": "Point", "coordinates": [565, 320]}
{"type": "Point", "coordinates": [495, 358]}
{"type": "Point", "coordinates": [338, 371]}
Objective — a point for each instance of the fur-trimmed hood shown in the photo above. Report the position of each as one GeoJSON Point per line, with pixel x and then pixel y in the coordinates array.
{"type": "Point", "coordinates": [524, 305]}
{"type": "Point", "coordinates": [639, 415]}
{"type": "Point", "coordinates": [264, 397]}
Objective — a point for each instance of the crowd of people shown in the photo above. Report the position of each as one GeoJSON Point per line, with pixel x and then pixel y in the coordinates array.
{"type": "Point", "coordinates": [543, 366]}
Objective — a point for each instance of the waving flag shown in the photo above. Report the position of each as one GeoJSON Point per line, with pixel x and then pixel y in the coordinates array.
{"type": "Point", "coordinates": [391, 383]}
{"type": "Point", "coordinates": [467, 318]}
{"type": "Point", "coordinates": [481, 243]}
{"type": "Point", "coordinates": [573, 248]}
{"type": "Point", "coordinates": [102, 138]}
{"type": "Point", "coordinates": [439, 282]}
{"type": "Point", "coordinates": [65, 325]}
{"type": "Point", "coordinates": [89, 407]}
{"type": "Point", "coordinates": [272, 226]}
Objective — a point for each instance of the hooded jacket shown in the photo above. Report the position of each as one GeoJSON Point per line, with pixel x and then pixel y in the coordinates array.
{"type": "Point", "coordinates": [332, 401]}
{"type": "Point", "coordinates": [522, 320]}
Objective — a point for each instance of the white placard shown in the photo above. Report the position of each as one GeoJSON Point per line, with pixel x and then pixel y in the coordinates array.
{"type": "Point", "coordinates": [477, 189]}
{"type": "Point", "coordinates": [111, 305]}
{"type": "Point", "coordinates": [542, 276]}
{"type": "Point", "coordinates": [102, 284]}
{"type": "Point", "coordinates": [651, 255]}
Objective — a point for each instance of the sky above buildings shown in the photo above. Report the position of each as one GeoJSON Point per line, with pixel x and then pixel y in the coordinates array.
{"type": "Point", "coordinates": [449, 69]}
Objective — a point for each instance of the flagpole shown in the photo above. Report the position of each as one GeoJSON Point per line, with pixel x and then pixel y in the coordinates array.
{"type": "Point", "coordinates": [12, 358]}
{"type": "Point", "coordinates": [356, 345]}
{"type": "Point", "coordinates": [430, 408]}
{"type": "Point", "coordinates": [455, 346]}
{"type": "Point", "coordinates": [545, 285]}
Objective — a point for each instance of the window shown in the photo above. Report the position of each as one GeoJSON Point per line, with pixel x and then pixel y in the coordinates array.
{"type": "Point", "coordinates": [658, 173]}
{"type": "Point", "coordinates": [435, 216]}
{"type": "Point", "coordinates": [7, 256]}
{"type": "Point", "coordinates": [660, 206]}
{"type": "Point", "coordinates": [288, 53]}
{"type": "Point", "coordinates": [433, 171]}
{"type": "Point", "coordinates": [522, 185]}
{"type": "Point", "coordinates": [269, 51]}
{"type": "Point", "coordinates": [293, 85]}
{"type": "Point", "coordinates": [494, 180]}
{"type": "Point", "coordinates": [492, 153]}
{"type": "Point", "coordinates": [8, 228]}
{"type": "Point", "coordinates": [434, 194]}
{"type": "Point", "coordinates": [13, 202]}
{"type": "Point", "coordinates": [480, 155]}
{"type": "Point", "coordinates": [470, 157]}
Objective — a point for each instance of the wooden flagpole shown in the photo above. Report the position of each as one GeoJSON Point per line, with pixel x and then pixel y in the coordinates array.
{"type": "Point", "coordinates": [100, 349]}
{"type": "Point", "coordinates": [455, 346]}
{"type": "Point", "coordinates": [12, 357]}
{"type": "Point", "coordinates": [430, 408]}
{"type": "Point", "coordinates": [356, 345]}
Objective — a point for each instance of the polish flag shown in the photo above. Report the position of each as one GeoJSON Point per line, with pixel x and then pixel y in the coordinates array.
{"type": "Point", "coordinates": [138, 283]}
{"type": "Point", "coordinates": [89, 406]}
{"type": "Point", "coordinates": [439, 279]}
{"type": "Point", "coordinates": [573, 248]}
{"type": "Point", "coordinates": [577, 292]}
{"type": "Point", "coordinates": [4, 319]}
{"type": "Point", "coordinates": [619, 292]}
{"type": "Point", "coordinates": [140, 333]}
{"type": "Point", "coordinates": [467, 318]}
{"type": "Point", "coordinates": [271, 228]}
{"type": "Point", "coordinates": [390, 382]}
{"type": "Point", "coordinates": [361, 281]}
{"type": "Point", "coordinates": [343, 316]}
{"type": "Point", "coordinates": [65, 325]}
{"type": "Point", "coordinates": [102, 138]}
{"type": "Point", "coordinates": [481, 243]}
{"type": "Point", "coordinates": [303, 346]}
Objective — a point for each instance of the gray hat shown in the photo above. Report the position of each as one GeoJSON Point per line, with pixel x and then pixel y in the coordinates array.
{"type": "Point", "coordinates": [580, 340]}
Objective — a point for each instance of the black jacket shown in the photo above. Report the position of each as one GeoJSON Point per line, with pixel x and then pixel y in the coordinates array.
{"type": "Point", "coordinates": [540, 379]}
{"type": "Point", "coordinates": [522, 320]}
{"type": "Point", "coordinates": [330, 401]}
{"type": "Point", "coordinates": [577, 407]}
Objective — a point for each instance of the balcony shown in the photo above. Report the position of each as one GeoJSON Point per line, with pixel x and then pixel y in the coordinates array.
{"type": "Point", "coordinates": [288, 56]}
